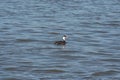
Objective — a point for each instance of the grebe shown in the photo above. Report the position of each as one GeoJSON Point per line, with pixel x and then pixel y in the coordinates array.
{"type": "Point", "coordinates": [61, 42]}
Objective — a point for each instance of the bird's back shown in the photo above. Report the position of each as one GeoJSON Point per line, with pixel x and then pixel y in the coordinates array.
{"type": "Point", "coordinates": [60, 42]}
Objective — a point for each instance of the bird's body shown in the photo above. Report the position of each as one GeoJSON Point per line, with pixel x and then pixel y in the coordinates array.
{"type": "Point", "coordinates": [63, 42]}
{"type": "Point", "coordinates": [60, 42]}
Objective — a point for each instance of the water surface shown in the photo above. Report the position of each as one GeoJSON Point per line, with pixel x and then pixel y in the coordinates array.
{"type": "Point", "coordinates": [28, 29]}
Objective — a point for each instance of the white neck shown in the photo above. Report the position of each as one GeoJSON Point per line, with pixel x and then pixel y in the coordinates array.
{"type": "Point", "coordinates": [64, 38]}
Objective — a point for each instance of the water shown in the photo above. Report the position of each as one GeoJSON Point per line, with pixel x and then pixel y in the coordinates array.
{"type": "Point", "coordinates": [28, 29]}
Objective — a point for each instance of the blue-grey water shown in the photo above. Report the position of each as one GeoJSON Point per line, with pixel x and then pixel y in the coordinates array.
{"type": "Point", "coordinates": [28, 29]}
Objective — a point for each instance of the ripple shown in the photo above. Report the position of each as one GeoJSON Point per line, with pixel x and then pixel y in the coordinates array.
{"type": "Point", "coordinates": [69, 57]}
{"type": "Point", "coordinates": [105, 73]}
{"type": "Point", "coordinates": [25, 62]}
{"type": "Point", "coordinates": [10, 68]}
{"type": "Point", "coordinates": [11, 78]}
{"type": "Point", "coordinates": [100, 31]}
{"type": "Point", "coordinates": [115, 47]}
{"type": "Point", "coordinates": [66, 51]}
{"type": "Point", "coordinates": [111, 60]}
{"type": "Point", "coordinates": [25, 40]}
{"type": "Point", "coordinates": [53, 33]}
{"type": "Point", "coordinates": [54, 71]}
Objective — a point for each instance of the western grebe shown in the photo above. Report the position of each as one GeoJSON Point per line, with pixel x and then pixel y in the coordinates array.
{"type": "Point", "coordinates": [63, 42]}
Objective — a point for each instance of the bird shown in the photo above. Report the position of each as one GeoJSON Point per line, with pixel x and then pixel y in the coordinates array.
{"type": "Point", "coordinates": [63, 42]}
